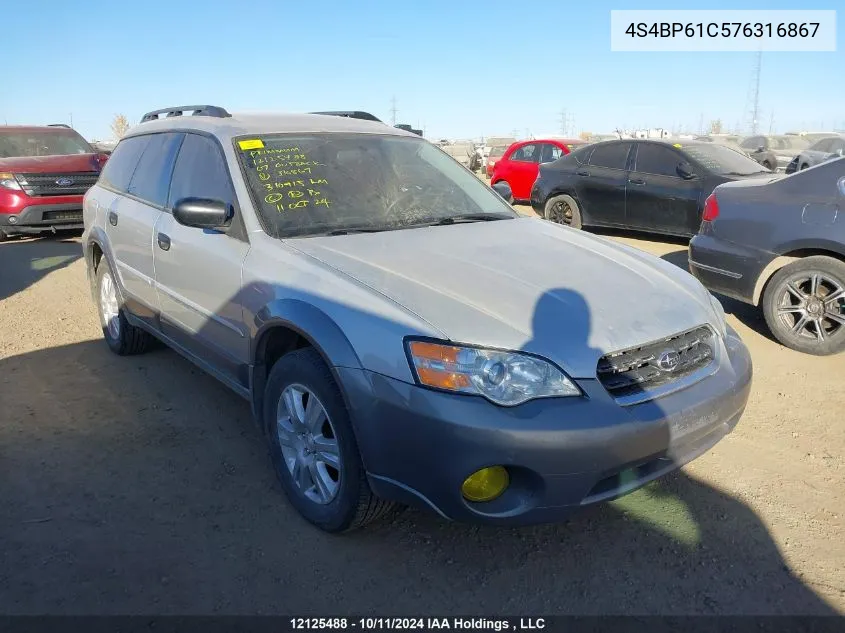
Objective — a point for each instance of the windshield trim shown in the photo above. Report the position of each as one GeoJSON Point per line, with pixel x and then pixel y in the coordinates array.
{"type": "Point", "coordinates": [507, 210]}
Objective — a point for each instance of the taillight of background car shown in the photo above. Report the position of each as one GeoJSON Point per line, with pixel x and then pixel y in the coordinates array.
{"type": "Point", "coordinates": [100, 160]}
{"type": "Point", "coordinates": [711, 208]}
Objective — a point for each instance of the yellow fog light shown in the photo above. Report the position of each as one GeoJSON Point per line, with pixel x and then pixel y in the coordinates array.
{"type": "Point", "coordinates": [486, 484]}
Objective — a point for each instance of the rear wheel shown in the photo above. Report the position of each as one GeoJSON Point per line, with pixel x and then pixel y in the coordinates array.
{"type": "Point", "coordinates": [804, 305]}
{"type": "Point", "coordinates": [563, 210]}
{"type": "Point", "coordinates": [313, 446]}
{"type": "Point", "coordinates": [122, 337]}
{"type": "Point", "coordinates": [803, 167]}
{"type": "Point", "coordinates": [768, 166]}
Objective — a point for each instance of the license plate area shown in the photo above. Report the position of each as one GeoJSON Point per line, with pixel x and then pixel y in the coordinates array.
{"type": "Point", "coordinates": [66, 216]}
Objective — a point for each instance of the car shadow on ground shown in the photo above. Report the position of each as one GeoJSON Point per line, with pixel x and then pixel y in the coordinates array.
{"type": "Point", "coordinates": [24, 261]}
{"type": "Point", "coordinates": [141, 485]}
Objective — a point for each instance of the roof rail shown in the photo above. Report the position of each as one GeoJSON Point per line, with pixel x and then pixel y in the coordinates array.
{"type": "Point", "coordinates": [351, 114]}
{"type": "Point", "coordinates": [59, 125]}
{"type": "Point", "coordinates": [198, 110]}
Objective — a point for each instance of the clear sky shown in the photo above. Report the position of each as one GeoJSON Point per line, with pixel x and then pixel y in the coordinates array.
{"type": "Point", "coordinates": [455, 67]}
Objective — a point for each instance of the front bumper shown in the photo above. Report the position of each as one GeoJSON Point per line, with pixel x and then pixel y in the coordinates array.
{"type": "Point", "coordinates": [419, 445]}
{"type": "Point", "coordinates": [727, 268]}
{"type": "Point", "coordinates": [38, 218]}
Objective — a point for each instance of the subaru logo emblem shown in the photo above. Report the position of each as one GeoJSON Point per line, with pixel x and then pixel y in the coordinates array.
{"type": "Point", "coordinates": [668, 360]}
{"type": "Point", "coordinates": [64, 182]}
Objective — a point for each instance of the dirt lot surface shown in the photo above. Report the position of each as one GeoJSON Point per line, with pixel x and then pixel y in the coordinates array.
{"type": "Point", "coordinates": [139, 485]}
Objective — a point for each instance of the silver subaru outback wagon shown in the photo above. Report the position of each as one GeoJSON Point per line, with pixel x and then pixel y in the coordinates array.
{"type": "Point", "coordinates": [403, 336]}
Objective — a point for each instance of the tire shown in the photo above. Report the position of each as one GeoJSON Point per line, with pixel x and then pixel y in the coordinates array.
{"type": "Point", "coordinates": [823, 331]}
{"type": "Point", "coordinates": [4, 237]}
{"type": "Point", "coordinates": [768, 166]}
{"type": "Point", "coordinates": [123, 338]}
{"type": "Point", "coordinates": [563, 210]}
{"type": "Point", "coordinates": [346, 502]}
{"type": "Point", "coordinates": [803, 167]}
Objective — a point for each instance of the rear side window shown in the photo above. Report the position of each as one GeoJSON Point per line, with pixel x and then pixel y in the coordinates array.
{"type": "Point", "coordinates": [151, 179]}
{"type": "Point", "coordinates": [527, 154]}
{"type": "Point", "coordinates": [200, 172]}
{"type": "Point", "coordinates": [122, 163]}
{"type": "Point", "coordinates": [613, 155]}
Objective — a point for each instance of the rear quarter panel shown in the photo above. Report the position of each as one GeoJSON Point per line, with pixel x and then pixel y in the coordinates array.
{"type": "Point", "coordinates": [800, 211]}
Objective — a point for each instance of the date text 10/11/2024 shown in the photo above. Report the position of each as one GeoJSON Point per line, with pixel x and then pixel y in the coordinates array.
{"type": "Point", "coordinates": [418, 624]}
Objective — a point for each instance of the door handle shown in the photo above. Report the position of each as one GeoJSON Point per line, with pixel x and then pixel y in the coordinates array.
{"type": "Point", "coordinates": [583, 173]}
{"type": "Point", "coordinates": [636, 181]}
{"type": "Point", "coordinates": [112, 218]}
{"type": "Point", "coordinates": [163, 241]}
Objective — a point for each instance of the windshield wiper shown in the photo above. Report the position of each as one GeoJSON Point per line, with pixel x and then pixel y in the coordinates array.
{"type": "Point", "coordinates": [351, 230]}
{"type": "Point", "coordinates": [461, 219]}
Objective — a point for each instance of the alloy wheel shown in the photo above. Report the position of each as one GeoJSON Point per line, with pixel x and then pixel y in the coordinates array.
{"type": "Point", "coordinates": [812, 305]}
{"type": "Point", "coordinates": [561, 213]}
{"type": "Point", "coordinates": [309, 444]}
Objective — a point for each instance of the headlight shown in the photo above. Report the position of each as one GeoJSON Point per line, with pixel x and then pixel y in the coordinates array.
{"type": "Point", "coordinates": [720, 314]}
{"type": "Point", "coordinates": [504, 378]}
{"type": "Point", "coordinates": [8, 181]}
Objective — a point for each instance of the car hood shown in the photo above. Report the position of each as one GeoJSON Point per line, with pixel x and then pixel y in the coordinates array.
{"type": "Point", "coordinates": [49, 164]}
{"type": "Point", "coordinates": [523, 284]}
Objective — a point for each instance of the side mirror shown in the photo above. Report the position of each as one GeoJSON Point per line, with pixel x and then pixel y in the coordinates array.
{"type": "Point", "coordinates": [504, 190]}
{"type": "Point", "coordinates": [685, 171]}
{"type": "Point", "coordinates": [202, 213]}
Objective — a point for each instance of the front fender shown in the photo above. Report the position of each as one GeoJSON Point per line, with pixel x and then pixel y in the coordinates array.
{"type": "Point", "coordinates": [312, 324]}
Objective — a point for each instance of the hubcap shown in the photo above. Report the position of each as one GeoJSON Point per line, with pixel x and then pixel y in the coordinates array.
{"type": "Point", "coordinates": [309, 444]}
{"type": "Point", "coordinates": [813, 306]}
{"type": "Point", "coordinates": [561, 213]}
{"type": "Point", "coordinates": [109, 307]}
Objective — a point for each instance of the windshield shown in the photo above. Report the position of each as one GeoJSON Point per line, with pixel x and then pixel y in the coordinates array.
{"type": "Point", "coordinates": [309, 184]}
{"type": "Point", "coordinates": [498, 151]}
{"type": "Point", "coordinates": [721, 159]}
{"type": "Point", "coordinates": [42, 143]}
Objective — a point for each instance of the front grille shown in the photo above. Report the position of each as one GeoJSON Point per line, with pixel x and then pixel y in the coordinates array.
{"type": "Point", "coordinates": [657, 363]}
{"type": "Point", "coordinates": [72, 184]}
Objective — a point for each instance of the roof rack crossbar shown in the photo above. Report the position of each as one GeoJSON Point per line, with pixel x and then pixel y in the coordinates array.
{"type": "Point", "coordinates": [351, 114]}
{"type": "Point", "coordinates": [198, 110]}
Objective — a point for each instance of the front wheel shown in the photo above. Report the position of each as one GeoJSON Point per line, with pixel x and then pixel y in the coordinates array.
{"type": "Point", "coordinates": [313, 446]}
{"type": "Point", "coordinates": [804, 305]}
{"type": "Point", "coordinates": [563, 210]}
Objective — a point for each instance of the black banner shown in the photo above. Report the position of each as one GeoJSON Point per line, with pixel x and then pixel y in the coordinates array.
{"type": "Point", "coordinates": [472, 623]}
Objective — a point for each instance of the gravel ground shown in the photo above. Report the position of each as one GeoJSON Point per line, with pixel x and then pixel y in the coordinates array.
{"type": "Point", "coordinates": [139, 485]}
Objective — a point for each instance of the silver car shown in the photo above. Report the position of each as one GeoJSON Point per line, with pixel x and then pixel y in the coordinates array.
{"type": "Point", "coordinates": [402, 335]}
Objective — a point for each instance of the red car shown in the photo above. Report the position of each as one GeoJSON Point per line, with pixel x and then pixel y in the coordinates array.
{"type": "Point", "coordinates": [44, 172]}
{"type": "Point", "coordinates": [521, 162]}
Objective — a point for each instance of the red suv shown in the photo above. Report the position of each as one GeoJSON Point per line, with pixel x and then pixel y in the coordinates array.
{"type": "Point", "coordinates": [44, 172]}
{"type": "Point", "coordinates": [521, 163]}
